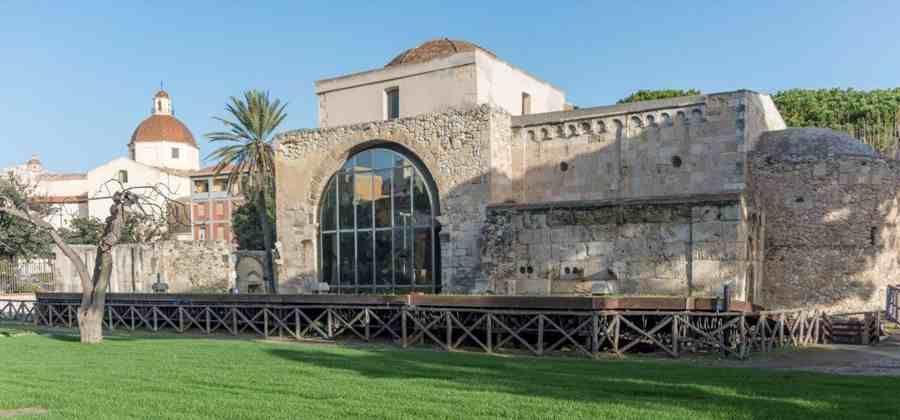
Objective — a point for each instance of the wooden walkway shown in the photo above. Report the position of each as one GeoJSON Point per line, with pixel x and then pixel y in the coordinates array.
{"type": "Point", "coordinates": [490, 329]}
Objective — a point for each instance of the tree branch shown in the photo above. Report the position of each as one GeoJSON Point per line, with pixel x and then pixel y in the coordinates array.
{"type": "Point", "coordinates": [58, 240]}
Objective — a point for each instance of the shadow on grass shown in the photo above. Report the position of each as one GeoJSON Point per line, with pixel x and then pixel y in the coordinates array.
{"type": "Point", "coordinates": [742, 392]}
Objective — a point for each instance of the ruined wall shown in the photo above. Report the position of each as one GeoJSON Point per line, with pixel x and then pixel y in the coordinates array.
{"type": "Point", "coordinates": [187, 267]}
{"type": "Point", "coordinates": [831, 206]}
{"type": "Point", "coordinates": [454, 146]}
{"type": "Point", "coordinates": [680, 146]}
{"type": "Point", "coordinates": [660, 247]}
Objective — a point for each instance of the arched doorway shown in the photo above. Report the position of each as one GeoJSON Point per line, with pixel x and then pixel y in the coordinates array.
{"type": "Point", "coordinates": [377, 231]}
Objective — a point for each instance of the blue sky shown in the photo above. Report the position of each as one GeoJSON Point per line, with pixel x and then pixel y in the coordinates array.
{"type": "Point", "coordinates": [77, 77]}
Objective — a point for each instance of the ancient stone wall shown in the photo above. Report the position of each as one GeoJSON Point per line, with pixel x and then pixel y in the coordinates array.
{"type": "Point", "coordinates": [187, 267]}
{"type": "Point", "coordinates": [831, 220]}
{"type": "Point", "coordinates": [455, 146]}
{"type": "Point", "coordinates": [690, 145]}
{"type": "Point", "coordinates": [687, 246]}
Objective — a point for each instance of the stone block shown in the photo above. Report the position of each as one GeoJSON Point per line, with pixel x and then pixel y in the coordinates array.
{"type": "Point", "coordinates": [707, 231]}
{"type": "Point", "coordinates": [704, 274]}
{"type": "Point", "coordinates": [820, 169]}
{"type": "Point", "coordinates": [730, 212]}
{"type": "Point", "coordinates": [599, 248]}
{"type": "Point", "coordinates": [675, 232]}
{"type": "Point", "coordinates": [532, 286]}
{"type": "Point", "coordinates": [704, 214]}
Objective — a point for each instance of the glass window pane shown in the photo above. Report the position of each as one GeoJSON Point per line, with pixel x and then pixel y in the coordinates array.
{"type": "Point", "coordinates": [347, 253]}
{"type": "Point", "coordinates": [345, 199]}
{"type": "Point", "coordinates": [383, 265]}
{"type": "Point", "coordinates": [363, 196]}
{"type": "Point", "coordinates": [364, 258]}
{"type": "Point", "coordinates": [329, 207]}
{"type": "Point", "coordinates": [423, 268]}
{"type": "Point", "coordinates": [382, 158]}
{"type": "Point", "coordinates": [422, 202]}
{"type": "Point", "coordinates": [349, 164]}
{"type": "Point", "coordinates": [403, 242]}
{"type": "Point", "coordinates": [329, 259]}
{"type": "Point", "coordinates": [402, 200]}
{"type": "Point", "coordinates": [364, 161]}
{"type": "Point", "coordinates": [400, 161]}
{"type": "Point", "coordinates": [382, 196]}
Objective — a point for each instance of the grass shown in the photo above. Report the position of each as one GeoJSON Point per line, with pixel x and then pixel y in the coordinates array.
{"type": "Point", "coordinates": [193, 378]}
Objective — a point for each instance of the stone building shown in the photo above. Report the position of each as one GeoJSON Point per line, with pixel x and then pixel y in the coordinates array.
{"type": "Point", "coordinates": [479, 178]}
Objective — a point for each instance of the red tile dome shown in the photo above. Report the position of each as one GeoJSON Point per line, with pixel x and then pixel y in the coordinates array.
{"type": "Point", "coordinates": [162, 127]}
{"type": "Point", "coordinates": [434, 49]}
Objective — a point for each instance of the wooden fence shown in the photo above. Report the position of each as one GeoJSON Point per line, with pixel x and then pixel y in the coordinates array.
{"type": "Point", "coordinates": [17, 310]}
{"type": "Point", "coordinates": [588, 333]}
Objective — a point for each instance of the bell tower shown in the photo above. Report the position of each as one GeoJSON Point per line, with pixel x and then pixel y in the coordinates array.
{"type": "Point", "coordinates": [162, 104]}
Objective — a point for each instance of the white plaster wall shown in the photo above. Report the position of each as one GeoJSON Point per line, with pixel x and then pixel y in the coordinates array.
{"type": "Point", "coordinates": [429, 91]}
{"type": "Point", "coordinates": [500, 84]}
{"type": "Point", "coordinates": [159, 153]}
{"type": "Point", "coordinates": [64, 188]}
{"type": "Point", "coordinates": [138, 175]}
{"type": "Point", "coordinates": [64, 213]}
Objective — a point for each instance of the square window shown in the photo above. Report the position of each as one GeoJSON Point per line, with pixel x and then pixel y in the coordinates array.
{"type": "Point", "coordinates": [175, 153]}
{"type": "Point", "coordinates": [392, 99]}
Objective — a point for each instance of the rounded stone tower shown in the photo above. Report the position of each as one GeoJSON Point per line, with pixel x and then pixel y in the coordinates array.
{"type": "Point", "coordinates": [831, 219]}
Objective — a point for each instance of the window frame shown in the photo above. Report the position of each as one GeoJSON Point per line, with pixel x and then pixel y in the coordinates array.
{"type": "Point", "coordinates": [389, 105]}
{"type": "Point", "coordinates": [343, 237]}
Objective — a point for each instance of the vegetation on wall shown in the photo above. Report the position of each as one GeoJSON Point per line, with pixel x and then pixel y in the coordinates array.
{"type": "Point", "coordinates": [871, 116]}
{"type": "Point", "coordinates": [650, 94]}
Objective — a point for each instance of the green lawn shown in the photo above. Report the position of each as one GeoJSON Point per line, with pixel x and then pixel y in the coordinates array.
{"type": "Point", "coordinates": [188, 378]}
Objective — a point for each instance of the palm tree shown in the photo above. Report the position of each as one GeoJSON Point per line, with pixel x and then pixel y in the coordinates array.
{"type": "Point", "coordinates": [248, 157]}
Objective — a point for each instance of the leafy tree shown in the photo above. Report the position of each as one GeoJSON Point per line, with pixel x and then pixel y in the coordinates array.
{"type": "Point", "coordinates": [649, 95]}
{"type": "Point", "coordinates": [19, 238]}
{"type": "Point", "coordinates": [245, 222]}
{"type": "Point", "coordinates": [248, 156]}
{"type": "Point", "coordinates": [82, 231]}
{"type": "Point", "coordinates": [871, 116]}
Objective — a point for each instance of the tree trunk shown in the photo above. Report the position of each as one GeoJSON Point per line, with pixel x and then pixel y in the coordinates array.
{"type": "Point", "coordinates": [93, 298]}
{"type": "Point", "coordinates": [263, 214]}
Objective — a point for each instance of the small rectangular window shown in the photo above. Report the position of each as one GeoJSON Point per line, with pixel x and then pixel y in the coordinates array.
{"type": "Point", "coordinates": [392, 97]}
{"type": "Point", "coordinates": [175, 153]}
{"type": "Point", "coordinates": [201, 186]}
{"type": "Point", "coordinates": [526, 103]}
{"type": "Point", "coordinates": [123, 176]}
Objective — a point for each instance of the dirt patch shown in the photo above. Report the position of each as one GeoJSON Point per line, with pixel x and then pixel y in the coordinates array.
{"type": "Point", "coordinates": [25, 411]}
{"type": "Point", "coordinates": [882, 359]}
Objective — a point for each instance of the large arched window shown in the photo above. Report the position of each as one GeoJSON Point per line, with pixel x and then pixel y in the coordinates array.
{"type": "Point", "coordinates": [378, 226]}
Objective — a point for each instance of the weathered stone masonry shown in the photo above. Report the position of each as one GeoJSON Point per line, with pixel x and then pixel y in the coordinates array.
{"type": "Point", "coordinates": [677, 247]}
{"type": "Point", "coordinates": [832, 211]}
{"type": "Point", "coordinates": [456, 147]}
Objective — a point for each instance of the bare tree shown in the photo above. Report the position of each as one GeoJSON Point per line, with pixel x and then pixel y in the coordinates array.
{"type": "Point", "coordinates": [148, 200]}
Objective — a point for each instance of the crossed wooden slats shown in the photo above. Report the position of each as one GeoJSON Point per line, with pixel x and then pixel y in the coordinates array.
{"type": "Point", "coordinates": [488, 330]}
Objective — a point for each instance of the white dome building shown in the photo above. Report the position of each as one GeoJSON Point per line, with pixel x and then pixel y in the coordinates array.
{"type": "Point", "coordinates": [162, 140]}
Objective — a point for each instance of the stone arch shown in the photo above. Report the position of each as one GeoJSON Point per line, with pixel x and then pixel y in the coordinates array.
{"type": "Point", "coordinates": [337, 229]}
{"type": "Point", "coordinates": [340, 153]}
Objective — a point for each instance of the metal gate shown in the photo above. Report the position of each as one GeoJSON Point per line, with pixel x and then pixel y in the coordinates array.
{"type": "Point", "coordinates": [17, 276]}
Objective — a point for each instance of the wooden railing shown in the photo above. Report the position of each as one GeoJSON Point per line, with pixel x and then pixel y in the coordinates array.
{"type": "Point", "coordinates": [13, 310]}
{"type": "Point", "coordinates": [854, 327]}
{"type": "Point", "coordinates": [540, 332]}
